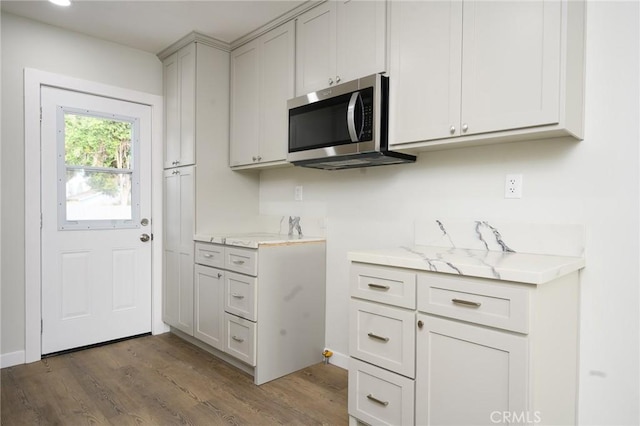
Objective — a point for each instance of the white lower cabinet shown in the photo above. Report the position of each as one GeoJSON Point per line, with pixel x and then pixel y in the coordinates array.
{"type": "Point", "coordinates": [241, 296]}
{"type": "Point", "coordinates": [377, 396]}
{"type": "Point", "coordinates": [240, 338]}
{"type": "Point", "coordinates": [262, 309]}
{"type": "Point", "coordinates": [467, 374]}
{"type": "Point", "coordinates": [177, 286]}
{"type": "Point", "coordinates": [209, 303]}
{"type": "Point", "coordinates": [384, 336]}
{"type": "Point", "coordinates": [475, 351]}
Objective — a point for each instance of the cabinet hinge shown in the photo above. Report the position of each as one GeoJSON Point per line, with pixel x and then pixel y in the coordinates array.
{"type": "Point", "coordinates": [152, 237]}
{"type": "Point", "coordinates": [40, 220]}
{"type": "Point", "coordinates": [41, 326]}
{"type": "Point", "coordinates": [41, 114]}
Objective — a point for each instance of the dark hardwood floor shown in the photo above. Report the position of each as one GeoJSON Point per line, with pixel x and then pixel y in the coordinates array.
{"type": "Point", "coordinates": [163, 380]}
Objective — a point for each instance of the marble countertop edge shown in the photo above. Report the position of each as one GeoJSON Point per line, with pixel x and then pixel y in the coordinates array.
{"type": "Point", "coordinates": [505, 266]}
{"type": "Point", "coordinates": [253, 240]}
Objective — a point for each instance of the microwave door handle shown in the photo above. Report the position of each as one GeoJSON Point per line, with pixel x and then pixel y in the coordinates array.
{"type": "Point", "coordinates": [351, 117]}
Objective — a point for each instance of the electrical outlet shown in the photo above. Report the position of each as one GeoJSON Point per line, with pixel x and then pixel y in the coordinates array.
{"type": "Point", "coordinates": [513, 186]}
{"type": "Point", "coordinates": [298, 193]}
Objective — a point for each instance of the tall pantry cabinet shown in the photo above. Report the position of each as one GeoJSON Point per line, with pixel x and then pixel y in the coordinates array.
{"type": "Point", "coordinates": [201, 193]}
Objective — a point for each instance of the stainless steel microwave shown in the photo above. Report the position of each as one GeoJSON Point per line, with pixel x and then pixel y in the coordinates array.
{"type": "Point", "coordinates": [343, 127]}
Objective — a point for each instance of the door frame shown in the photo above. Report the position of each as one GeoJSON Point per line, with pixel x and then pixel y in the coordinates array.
{"type": "Point", "coordinates": [33, 81]}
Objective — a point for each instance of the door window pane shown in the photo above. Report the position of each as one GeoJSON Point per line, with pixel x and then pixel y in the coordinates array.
{"type": "Point", "coordinates": [98, 179]}
{"type": "Point", "coordinates": [98, 195]}
{"type": "Point", "coordinates": [97, 142]}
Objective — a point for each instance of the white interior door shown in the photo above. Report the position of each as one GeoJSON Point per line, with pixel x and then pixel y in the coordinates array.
{"type": "Point", "coordinates": [96, 225]}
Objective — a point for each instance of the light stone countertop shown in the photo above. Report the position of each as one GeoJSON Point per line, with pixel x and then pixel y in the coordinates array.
{"type": "Point", "coordinates": [254, 240]}
{"type": "Point", "coordinates": [498, 265]}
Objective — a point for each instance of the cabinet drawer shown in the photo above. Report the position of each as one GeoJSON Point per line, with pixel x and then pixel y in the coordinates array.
{"type": "Point", "coordinates": [383, 335]}
{"type": "Point", "coordinates": [210, 254]}
{"type": "Point", "coordinates": [385, 285]}
{"type": "Point", "coordinates": [240, 296]}
{"type": "Point", "coordinates": [240, 338]}
{"type": "Point", "coordinates": [377, 396]}
{"type": "Point", "coordinates": [478, 301]}
{"type": "Point", "coordinates": [241, 260]}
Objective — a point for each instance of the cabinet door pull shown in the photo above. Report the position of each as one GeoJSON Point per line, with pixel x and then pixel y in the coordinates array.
{"type": "Point", "coordinates": [207, 255]}
{"type": "Point", "coordinates": [237, 296]}
{"type": "Point", "coordinates": [377, 401]}
{"type": "Point", "coordinates": [375, 336]}
{"type": "Point", "coordinates": [237, 339]}
{"type": "Point", "coordinates": [466, 303]}
{"type": "Point", "coordinates": [238, 262]}
{"type": "Point", "coordinates": [378, 286]}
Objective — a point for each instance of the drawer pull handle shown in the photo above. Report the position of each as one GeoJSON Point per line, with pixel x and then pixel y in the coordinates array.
{"type": "Point", "coordinates": [238, 262]}
{"type": "Point", "coordinates": [379, 286]}
{"type": "Point", "coordinates": [376, 400]}
{"type": "Point", "coordinates": [375, 336]}
{"type": "Point", "coordinates": [237, 296]}
{"type": "Point", "coordinates": [208, 255]}
{"type": "Point", "coordinates": [466, 303]}
{"type": "Point", "coordinates": [237, 339]}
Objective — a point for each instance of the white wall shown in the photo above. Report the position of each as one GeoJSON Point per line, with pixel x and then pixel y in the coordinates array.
{"type": "Point", "coordinates": [28, 44]}
{"type": "Point", "coordinates": [594, 182]}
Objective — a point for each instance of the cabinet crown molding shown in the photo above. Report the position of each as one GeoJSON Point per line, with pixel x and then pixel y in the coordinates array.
{"type": "Point", "coordinates": [282, 19]}
{"type": "Point", "coordinates": [191, 38]}
{"type": "Point", "coordinates": [197, 37]}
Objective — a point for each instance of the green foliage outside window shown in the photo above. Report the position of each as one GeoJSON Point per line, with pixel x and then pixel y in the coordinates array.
{"type": "Point", "coordinates": [103, 143]}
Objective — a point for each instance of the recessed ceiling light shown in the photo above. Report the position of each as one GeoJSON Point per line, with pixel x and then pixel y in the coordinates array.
{"type": "Point", "coordinates": [61, 2]}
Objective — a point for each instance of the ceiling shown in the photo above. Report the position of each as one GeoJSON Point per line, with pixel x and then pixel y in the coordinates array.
{"type": "Point", "coordinates": [154, 25]}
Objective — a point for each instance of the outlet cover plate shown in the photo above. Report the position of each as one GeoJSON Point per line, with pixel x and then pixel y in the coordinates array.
{"type": "Point", "coordinates": [513, 186]}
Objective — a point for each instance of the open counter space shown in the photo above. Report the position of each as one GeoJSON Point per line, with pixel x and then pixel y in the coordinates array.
{"type": "Point", "coordinates": [254, 240]}
{"type": "Point", "coordinates": [507, 266]}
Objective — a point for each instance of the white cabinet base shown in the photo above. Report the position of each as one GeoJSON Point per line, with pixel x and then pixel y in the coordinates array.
{"type": "Point", "coordinates": [274, 314]}
{"type": "Point", "coordinates": [377, 396]}
{"type": "Point", "coordinates": [486, 351]}
{"type": "Point", "coordinates": [464, 373]}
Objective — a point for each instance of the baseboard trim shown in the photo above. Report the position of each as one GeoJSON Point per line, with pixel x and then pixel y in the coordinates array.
{"type": "Point", "coordinates": [12, 358]}
{"type": "Point", "coordinates": [339, 360]}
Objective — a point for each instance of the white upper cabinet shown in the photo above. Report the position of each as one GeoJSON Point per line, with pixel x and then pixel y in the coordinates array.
{"type": "Point", "coordinates": [262, 80]}
{"type": "Point", "coordinates": [361, 28]}
{"type": "Point", "coordinates": [180, 103]}
{"type": "Point", "coordinates": [316, 49]}
{"type": "Point", "coordinates": [425, 69]}
{"type": "Point", "coordinates": [510, 65]}
{"type": "Point", "coordinates": [463, 72]}
{"type": "Point", "coordinates": [244, 104]}
{"type": "Point", "coordinates": [339, 41]}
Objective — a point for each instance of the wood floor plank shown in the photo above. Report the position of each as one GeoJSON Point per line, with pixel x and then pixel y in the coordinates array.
{"type": "Point", "coordinates": [164, 380]}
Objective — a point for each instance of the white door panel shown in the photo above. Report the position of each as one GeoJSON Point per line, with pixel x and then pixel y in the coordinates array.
{"type": "Point", "coordinates": [96, 274]}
